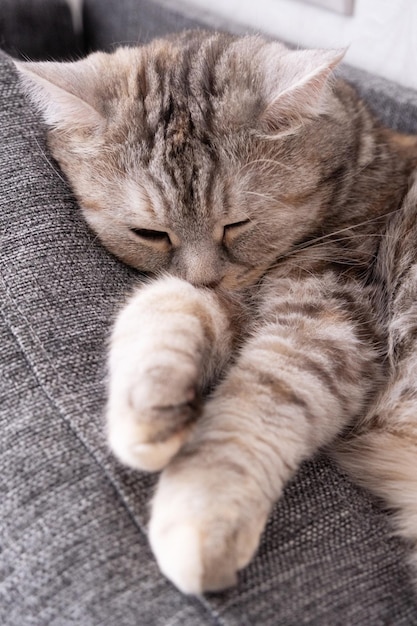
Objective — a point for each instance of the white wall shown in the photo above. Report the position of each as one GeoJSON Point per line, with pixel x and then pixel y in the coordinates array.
{"type": "Point", "coordinates": [381, 35]}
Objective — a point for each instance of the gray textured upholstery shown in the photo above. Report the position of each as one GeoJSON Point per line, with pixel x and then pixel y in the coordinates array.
{"type": "Point", "coordinates": [72, 531]}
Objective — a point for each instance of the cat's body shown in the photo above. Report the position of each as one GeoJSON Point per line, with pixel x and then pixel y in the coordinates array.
{"type": "Point", "coordinates": [279, 220]}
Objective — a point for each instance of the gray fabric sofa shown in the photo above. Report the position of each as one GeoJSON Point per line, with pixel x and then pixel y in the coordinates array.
{"type": "Point", "coordinates": [73, 547]}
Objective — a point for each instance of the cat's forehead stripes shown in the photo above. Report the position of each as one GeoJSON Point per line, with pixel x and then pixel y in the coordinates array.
{"type": "Point", "coordinates": [182, 158]}
{"type": "Point", "coordinates": [190, 89]}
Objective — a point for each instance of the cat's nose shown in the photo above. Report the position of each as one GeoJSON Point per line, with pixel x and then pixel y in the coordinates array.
{"type": "Point", "coordinates": [202, 268]}
{"type": "Point", "coordinates": [206, 279]}
{"type": "Point", "coordinates": [203, 281]}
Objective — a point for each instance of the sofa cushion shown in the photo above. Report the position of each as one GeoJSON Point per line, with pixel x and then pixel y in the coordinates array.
{"type": "Point", "coordinates": [73, 521]}
{"type": "Point", "coordinates": [38, 30]}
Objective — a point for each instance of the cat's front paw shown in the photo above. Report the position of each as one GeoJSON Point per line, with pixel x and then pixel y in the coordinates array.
{"type": "Point", "coordinates": [150, 414]}
{"type": "Point", "coordinates": [203, 531]}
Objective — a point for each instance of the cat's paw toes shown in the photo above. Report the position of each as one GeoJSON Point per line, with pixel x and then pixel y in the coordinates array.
{"type": "Point", "coordinates": [199, 545]}
{"type": "Point", "coordinates": [182, 556]}
{"type": "Point", "coordinates": [151, 418]}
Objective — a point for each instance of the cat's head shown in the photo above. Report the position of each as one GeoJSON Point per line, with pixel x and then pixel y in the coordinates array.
{"type": "Point", "coordinates": [199, 155]}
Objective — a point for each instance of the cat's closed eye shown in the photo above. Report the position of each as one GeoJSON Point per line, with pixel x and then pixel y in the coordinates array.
{"type": "Point", "coordinates": [230, 231]}
{"type": "Point", "coordinates": [152, 236]}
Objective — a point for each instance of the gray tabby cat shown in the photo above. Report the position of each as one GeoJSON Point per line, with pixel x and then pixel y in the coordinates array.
{"type": "Point", "coordinates": [279, 221]}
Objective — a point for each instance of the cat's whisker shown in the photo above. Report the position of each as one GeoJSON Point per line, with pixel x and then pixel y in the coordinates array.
{"type": "Point", "coordinates": [45, 157]}
{"type": "Point", "coordinates": [320, 244]}
{"type": "Point", "coordinates": [260, 195]}
{"type": "Point", "coordinates": [328, 236]}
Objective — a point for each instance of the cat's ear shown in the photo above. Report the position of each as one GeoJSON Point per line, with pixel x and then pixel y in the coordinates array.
{"type": "Point", "coordinates": [296, 85]}
{"type": "Point", "coordinates": [65, 93]}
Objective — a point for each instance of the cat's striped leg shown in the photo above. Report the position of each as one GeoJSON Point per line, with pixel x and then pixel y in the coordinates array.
{"type": "Point", "coordinates": [168, 343]}
{"type": "Point", "coordinates": [382, 456]}
{"type": "Point", "coordinates": [383, 459]}
{"type": "Point", "coordinates": [296, 383]}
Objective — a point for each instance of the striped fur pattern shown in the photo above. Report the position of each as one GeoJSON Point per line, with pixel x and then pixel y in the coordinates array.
{"type": "Point", "coordinates": [276, 220]}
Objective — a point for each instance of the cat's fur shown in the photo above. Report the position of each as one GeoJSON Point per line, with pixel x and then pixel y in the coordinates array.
{"type": "Point", "coordinates": [285, 284]}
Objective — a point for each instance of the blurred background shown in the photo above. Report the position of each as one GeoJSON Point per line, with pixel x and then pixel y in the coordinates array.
{"type": "Point", "coordinates": [381, 35]}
